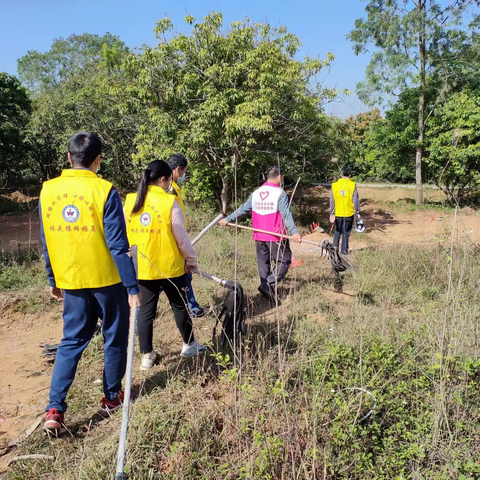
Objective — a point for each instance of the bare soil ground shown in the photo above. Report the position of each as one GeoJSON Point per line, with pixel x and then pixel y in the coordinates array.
{"type": "Point", "coordinates": [24, 377]}
{"type": "Point", "coordinates": [387, 222]}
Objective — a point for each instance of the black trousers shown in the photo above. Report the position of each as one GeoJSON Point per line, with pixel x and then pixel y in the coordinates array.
{"type": "Point", "coordinates": [278, 252]}
{"type": "Point", "coordinates": [174, 289]}
{"type": "Point", "coordinates": [343, 228]}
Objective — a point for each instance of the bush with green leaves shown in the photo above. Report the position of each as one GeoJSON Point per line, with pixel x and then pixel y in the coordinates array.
{"type": "Point", "coordinates": [454, 145]}
{"type": "Point", "coordinates": [233, 101]}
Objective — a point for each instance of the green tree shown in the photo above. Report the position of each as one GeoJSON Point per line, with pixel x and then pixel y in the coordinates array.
{"type": "Point", "coordinates": [86, 99]}
{"type": "Point", "coordinates": [454, 145]}
{"type": "Point", "coordinates": [15, 109]}
{"type": "Point", "coordinates": [66, 58]}
{"type": "Point", "coordinates": [232, 102]}
{"type": "Point", "coordinates": [390, 145]}
{"type": "Point", "coordinates": [354, 134]}
{"type": "Point", "coordinates": [412, 39]}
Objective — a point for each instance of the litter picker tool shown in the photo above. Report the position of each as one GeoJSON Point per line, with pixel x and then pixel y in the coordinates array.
{"type": "Point", "coordinates": [337, 261]}
{"type": "Point", "coordinates": [233, 311]}
{"type": "Point", "coordinates": [120, 475]}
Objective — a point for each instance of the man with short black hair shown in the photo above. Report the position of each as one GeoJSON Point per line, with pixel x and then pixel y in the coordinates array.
{"type": "Point", "coordinates": [344, 205]}
{"type": "Point", "coordinates": [270, 211]}
{"type": "Point", "coordinates": [85, 246]}
{"type": "Point", "coordinates": [179, 165]}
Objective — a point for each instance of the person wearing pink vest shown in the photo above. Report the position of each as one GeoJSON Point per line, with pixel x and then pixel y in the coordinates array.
{"type": "Point", "coordinates": [270, 211]}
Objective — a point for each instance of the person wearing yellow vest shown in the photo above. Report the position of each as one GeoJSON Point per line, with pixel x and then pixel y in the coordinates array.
{"type": "Point", "coordinates": [179, 165]}
{"type": "Point", "coordinates": [155, 223]}
{"type": "Point", "coordinates": [344, 205]}
{"type": "Point", "coordinates": [85, 248]}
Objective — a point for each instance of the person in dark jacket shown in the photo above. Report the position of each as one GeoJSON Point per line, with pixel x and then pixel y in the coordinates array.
{"type": "Point", "coordinates": [85, 247]}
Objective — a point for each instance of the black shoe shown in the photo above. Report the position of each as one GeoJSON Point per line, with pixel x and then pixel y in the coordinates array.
{"type": "Point", "coordinates": [266, 292]}
{"type": "Point", "coordinates": [269, 293]}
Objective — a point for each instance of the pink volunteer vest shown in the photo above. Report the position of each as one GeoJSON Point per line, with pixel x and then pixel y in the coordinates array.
{"type": "Point", "coordinates": [265, 214]}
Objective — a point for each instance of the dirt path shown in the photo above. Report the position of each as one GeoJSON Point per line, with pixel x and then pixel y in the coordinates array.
{"type": "Point", "coordinates": [24, 378]}
{"type": "Point", "coordinates": [387, 223]}
{"type": "Point", "coordinates": [18, 230]}
{"type": "Point", "coordinates": [415, 228]}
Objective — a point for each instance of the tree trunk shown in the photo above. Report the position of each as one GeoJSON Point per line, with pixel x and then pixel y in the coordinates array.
{"type": "Point", "coordinates": [421, 102]}
{"type": "Point", "coordinates": [224, 194]}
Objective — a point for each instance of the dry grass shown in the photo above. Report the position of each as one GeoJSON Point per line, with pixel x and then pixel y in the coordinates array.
{"type": "Point", "coordinates": [405, 328]}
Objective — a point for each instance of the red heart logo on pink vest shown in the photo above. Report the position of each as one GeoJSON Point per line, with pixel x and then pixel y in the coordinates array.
{"type": "Point", "coordinates": [264, 195]}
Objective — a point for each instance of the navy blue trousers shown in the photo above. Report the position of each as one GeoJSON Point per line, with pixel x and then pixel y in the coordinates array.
{"type": "Point", "coordinates": [81, 310]}
{"type": "Point", "coordinates": [268, 252]}
{"type": "Point", "coordinates": [343, 228]}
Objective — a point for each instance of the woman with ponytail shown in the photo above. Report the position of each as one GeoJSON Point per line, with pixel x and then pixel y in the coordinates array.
{"type": "Point", "coordinates": [155, 223]}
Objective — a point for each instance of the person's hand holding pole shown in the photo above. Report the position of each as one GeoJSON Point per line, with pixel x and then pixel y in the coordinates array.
{"type": "Point", "coordinates": [332, 218]}
{"type": "Point", "coordinates": [191, 265]}
{"type": "Point", "coordinates": [135, 299]}
{"type": "Point", "coordinates": [223, 222]}
{"type": "Point", "coordinates": [297, 238]}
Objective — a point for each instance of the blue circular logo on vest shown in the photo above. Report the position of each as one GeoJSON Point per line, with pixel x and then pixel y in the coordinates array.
{"type": "Point", "coordinates": [71, 213]}
{"type": "Point", "coordinates": [145, 219]}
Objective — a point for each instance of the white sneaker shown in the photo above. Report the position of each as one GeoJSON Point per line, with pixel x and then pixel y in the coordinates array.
{"type": "Point", "coordinates": [148, 360]}
{"type": "Point", "coordinates": [193, 349]}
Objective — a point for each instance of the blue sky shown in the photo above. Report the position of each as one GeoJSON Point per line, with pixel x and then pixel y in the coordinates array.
{"type": "Point", "coordinates": [321, 25]}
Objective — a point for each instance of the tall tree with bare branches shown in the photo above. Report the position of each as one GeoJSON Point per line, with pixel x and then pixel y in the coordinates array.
{"type": "Point", "coordinates": [411, 41]}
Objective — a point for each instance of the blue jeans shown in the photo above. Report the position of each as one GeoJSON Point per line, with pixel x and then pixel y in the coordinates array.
{"type": "Point", "coordinates": [192, 303]}
{"type": "Point", "coordinates": [343, 228]}
{"type": "Point", "coordinates": [80, 314]}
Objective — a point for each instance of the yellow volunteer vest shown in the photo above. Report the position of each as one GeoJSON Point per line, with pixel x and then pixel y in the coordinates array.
{"type": "Point", "coordinates": [343, 195]}
{"type": "Point", "coordinates": [72, 215]}
{"type": "Point", "coordinates": [180, 200]}
{"type": "Point", "coordinates": [151, 230]}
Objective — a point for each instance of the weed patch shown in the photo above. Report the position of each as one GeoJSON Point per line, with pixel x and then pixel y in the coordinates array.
{"type": "Point", "coordinates": [384, 386]}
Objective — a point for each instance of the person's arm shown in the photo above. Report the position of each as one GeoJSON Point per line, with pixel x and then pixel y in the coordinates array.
{"type": "Point", "coordinates": [117, 241]}
{"type": "Point", "coordinates": [332, 203]}
{"type": "Point", "coordinates": [287, 217]}
{"type": "Point", "coordinates": [181, 236]}
{"type": "Point", "coordinates": [55, 292]}
{"type": "Point", "coordinates": [332, 207]}
{"type": "Point", "coordinates": [241, 211]}
{"type": "Point", "coordinates": [356, 201]}
{"type": "Point", "coordinates": [46, 256]}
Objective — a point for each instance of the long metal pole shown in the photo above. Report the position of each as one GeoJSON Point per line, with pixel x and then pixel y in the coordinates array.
{"type": "Point", "coordinates": [207, 228]}
{"type": "Point", "coordinates": [221, 281]}
{"type": "Point", "coordinates": [120, 475]}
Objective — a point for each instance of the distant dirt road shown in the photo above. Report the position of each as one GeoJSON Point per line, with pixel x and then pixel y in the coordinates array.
{"type": "Point", "coordinates": [23, 227]}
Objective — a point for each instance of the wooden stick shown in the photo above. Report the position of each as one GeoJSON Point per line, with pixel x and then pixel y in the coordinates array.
{"type": "Point", "coordinates": [280, 235]}
{"type": "Point", "coordinates": [34, 456]}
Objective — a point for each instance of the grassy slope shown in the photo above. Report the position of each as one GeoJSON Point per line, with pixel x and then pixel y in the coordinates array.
{"type": "Point", "coordinates": [406, 330]}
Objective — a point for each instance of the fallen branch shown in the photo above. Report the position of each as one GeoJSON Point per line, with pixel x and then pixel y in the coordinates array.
{"type": "Point", "coordinates": [34, 456]}
{"type": "Point", "coordinates": [25, 435]}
